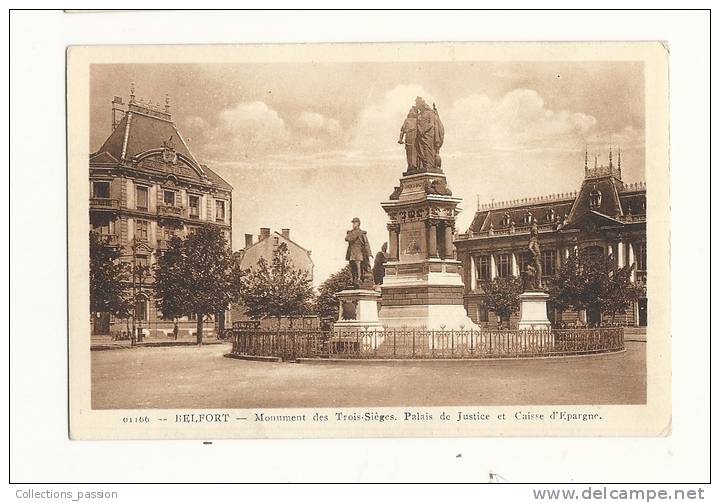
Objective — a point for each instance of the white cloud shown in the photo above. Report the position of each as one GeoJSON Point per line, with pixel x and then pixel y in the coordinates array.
{"type": "Point", "coordinates": [247, 130]}
{"type": "Point", "coordinates": [517, 121]}
{"type": "Point", "coordinates": [316, 122]}
{"type": "Point", "coordinates": [195, 123]}
{"type": "Point", "coordinates": [477, 127]}
{"type": "Point", "coordinates": [253, 132]}
{"type": "Point", "coordinates": [378, 125]}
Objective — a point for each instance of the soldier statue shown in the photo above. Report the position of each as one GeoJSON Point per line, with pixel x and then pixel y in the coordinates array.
{"type": "Point", "coordinates": [358, 255]}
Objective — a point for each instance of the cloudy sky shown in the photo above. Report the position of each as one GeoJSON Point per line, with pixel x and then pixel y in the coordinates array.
{"type": "Point", "coordinates": [309, 146]}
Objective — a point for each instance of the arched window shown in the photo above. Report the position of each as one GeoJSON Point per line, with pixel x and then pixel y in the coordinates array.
{"type": "Point", "coordinates": [550, 215]}
{"type": "Point", "coordinates": [505, 222]}
{"type": "Point", "coordinates": [528, 218]}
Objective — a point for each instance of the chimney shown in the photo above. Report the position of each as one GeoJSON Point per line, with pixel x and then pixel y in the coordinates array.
{"type": "Point", "coordinates": [286, 233]}
{"type": "Point", "coordinates": [264, 233]}
{"type": "Point", "coordinates": [248, 240]}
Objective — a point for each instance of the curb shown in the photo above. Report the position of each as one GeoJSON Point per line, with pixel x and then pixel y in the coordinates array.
{"type": "Point", "coordinates": [154, 344]}
{"type": "Point", "coordinates": [254, 358]}
{"type": "Point", "coordinates": [413, 361]}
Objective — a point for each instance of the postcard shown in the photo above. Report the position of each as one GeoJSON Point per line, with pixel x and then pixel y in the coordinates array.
{"type": "Point", "coordinates": [369, 240]}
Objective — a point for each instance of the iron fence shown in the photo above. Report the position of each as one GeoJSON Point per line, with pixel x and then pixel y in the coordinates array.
{"type": "Point", "coordinates": [418, 344]}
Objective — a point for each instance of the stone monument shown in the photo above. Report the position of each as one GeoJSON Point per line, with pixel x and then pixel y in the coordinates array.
{"type": "Point", "coordinates": [422, 286]}
{"type": "Point", "coordinates": [533, 300]}
{"type": "Point", "coordinates": [358, 321]}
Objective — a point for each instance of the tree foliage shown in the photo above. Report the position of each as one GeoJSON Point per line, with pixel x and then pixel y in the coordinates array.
{"type": "Point", "coordinates": [276, 289]}
{"type": "Point", "coordinates": [592, 282]}
{"type": "Point", "coordinates": [327, 303]}
{"type": "Point", "coordinates": [196, 275]}
{"type": "Point", "coordinates": [502, 296]}
{"type": "Point", "coordinates": [109, 279]}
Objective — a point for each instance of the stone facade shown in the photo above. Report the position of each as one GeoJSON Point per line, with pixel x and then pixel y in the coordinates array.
{"type": "Point", "coordinates": [146, 186]}
{"type": "Point", "coordinates": [605, 214]}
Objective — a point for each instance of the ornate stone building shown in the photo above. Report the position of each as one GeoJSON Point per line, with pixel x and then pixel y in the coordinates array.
{"type": "Point", "coordinates": [146, 186]}
{"type": "Point", "coordinates": [605, 215]}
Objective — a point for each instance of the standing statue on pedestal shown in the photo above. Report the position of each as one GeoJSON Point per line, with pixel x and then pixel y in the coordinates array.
{"type": "Point", "coordinates": [379, 266]}
{"type": "Point", "coordinates": [424, 134]}
{"type": "Point", "coordinates": [358, 254]}
{"type": "Point", "coordinates": [533, 274]}
{"type": "Point", "coordinates": [408, 137]}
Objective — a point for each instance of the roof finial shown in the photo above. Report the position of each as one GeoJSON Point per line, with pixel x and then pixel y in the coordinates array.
{"type": "Point", "coordinates": [167, 103]}
{"type": "Point", "coordinates": [619, 160]}
{"type": "Point", "coordinates": [586, 158]}
{"type": "Point", "coordinates": [132, 92]}
{"type": "Point", "coordinates": [478, 201]}
{"type": "Point", "coordinates": [610, 157]}
{"type": "Point", "coordinates": [596, 156]}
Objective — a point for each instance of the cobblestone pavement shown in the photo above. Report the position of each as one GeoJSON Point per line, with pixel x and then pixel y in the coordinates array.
{"type": "Point", "coordinates": [199, 377]}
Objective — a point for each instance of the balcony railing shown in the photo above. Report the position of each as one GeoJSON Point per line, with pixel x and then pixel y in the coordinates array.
{"type": "Point", "coordinates": [170, 211]}
{"type": "Point", "coordinates": [104, 203]}
{"type": "Point", "coordinates": [507, 231]}
{"type": "Point", "coordinates": [111, 240]}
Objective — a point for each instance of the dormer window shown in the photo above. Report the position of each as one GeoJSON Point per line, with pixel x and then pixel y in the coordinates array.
{"type": "Point", "coordinates": [595, 198]}
{"type": "Point", "coordinates": [528, 218]}
{"type": "Point", "coordinates": [550, 216]}
{"type": "Point", "coordinates": [505, 222]}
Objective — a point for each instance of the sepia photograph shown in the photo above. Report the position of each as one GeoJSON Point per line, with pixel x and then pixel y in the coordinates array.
{"type": "Point", "coordinates": [463, 250]}
{"type": "Point", "coordinates": [363, 234]}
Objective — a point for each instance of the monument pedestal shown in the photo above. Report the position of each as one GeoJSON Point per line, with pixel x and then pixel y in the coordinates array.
{"type": "Point", "coordinates": [533, 311]}
{"type": "Point", "coordinates": [422, 287]}
{"type": "Point", "coordinates": [358, 321]}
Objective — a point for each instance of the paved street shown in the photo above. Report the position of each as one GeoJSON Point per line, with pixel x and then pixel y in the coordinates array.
{"type": "Point", "coordinates": [192, 377]}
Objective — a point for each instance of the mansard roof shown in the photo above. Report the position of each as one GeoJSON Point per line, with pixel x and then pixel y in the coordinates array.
{"type": "Point", "coordinates": [540, 209]}
{"type": "Point", "coordinates": [619, 203]}
{"type": "Point", "coordinates": [138, 132]}
{"type": "Point", "coordinates": [140, 141]}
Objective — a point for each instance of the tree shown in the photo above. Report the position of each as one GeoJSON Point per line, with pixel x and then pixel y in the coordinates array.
{"type": "Point", "coordinates": [622, 292]}
{"type": "Point", "coordinates": [564, 288]}
{"type": "Point", "coordinates": [109, 279]}
{"type": "Point", "coordinates": [327, 303]}
{"type": "Point", "coordinates": [591, 281]}
{"type": "Point", "coordinates": [196, 275]}
{"type": "Point", "coordinates": [276, 289]}
{"type": "Point", "coordinates": [502, 296]}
